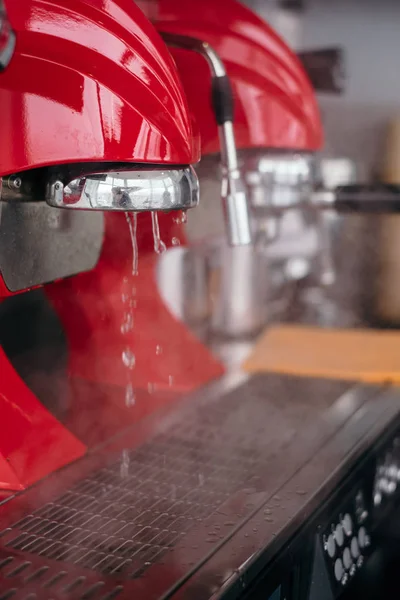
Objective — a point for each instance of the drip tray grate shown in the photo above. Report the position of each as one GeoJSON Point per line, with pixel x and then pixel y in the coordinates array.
{"type": "Point", "coordinates": [21, 580]}
{"type": "Point", "coordinates": [127, 516]}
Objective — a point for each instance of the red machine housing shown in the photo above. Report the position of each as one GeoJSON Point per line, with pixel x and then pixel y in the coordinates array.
{"type": "Point", "coordinates": [105, 82]}
{"type": "Point", "coordinates": [89, 81]}
{"type": "Point", "coordinates": [275, 105]}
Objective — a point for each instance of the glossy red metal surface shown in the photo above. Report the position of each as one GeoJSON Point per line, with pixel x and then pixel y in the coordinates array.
{"type": "Point", "coordinates": [32, 442]}
{"type": "Point", "coordinates": [90, 81]}
{"type": "Point", "coordinates": [275, 105]}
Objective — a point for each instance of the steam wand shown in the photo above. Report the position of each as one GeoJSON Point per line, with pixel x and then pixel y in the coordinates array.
{"type": "Point", "coordinates": [233, 191]}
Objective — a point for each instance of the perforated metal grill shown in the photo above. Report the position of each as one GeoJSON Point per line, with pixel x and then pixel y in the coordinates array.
{"type": "Point", "coordinates": [125, 517]}
{"type": "Point", "coordinates": [22, 580]}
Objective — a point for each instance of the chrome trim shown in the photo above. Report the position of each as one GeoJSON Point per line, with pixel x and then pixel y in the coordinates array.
{"type": "Point", "coordinates": [233, 190]}
{"type": "Point", "coordinates": [278, 181]}
{"type": "Point", "coordinates": [136, 190]}
{"type": "Point", "coordinates": [187, 42]}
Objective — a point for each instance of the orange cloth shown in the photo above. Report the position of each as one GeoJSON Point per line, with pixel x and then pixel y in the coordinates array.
{"type": "Point", "coordinates": [355, 354]}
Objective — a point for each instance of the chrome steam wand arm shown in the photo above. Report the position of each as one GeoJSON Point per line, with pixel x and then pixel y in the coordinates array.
{"type": "Point", "coordinates": [233, 190]}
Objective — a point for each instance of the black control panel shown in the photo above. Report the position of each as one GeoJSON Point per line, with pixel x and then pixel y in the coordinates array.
{"type": "Point", "coordinates": [348, 536]}
{"type": "Point", "coordinates": [330, 553]}
{"type": "Point", "coordinates": [346, 540]}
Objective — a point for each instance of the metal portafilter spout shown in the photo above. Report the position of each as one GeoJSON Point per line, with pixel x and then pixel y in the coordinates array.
{"type": "Point", "coordinates": [106, 186]}
{"type": "Point", "coordinates": [40, 243]}
{"type": "Point", "coordinates": [233, 191]}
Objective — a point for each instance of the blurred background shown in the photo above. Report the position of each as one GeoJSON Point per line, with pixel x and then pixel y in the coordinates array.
{"type": "Point", "coordinates": [366, 31]}
{"type": "Point", "coordinates": [350, 51]}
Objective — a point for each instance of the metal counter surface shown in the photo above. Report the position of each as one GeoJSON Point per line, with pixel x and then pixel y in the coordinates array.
{"type": "Point", "coordinates": [178, 503]}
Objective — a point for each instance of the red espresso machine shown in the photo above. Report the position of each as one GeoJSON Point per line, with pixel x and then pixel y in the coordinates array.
{"type": "Point", "coordinates": [84, 140]}
{"type": "Point", "coordinates": [131, 465]}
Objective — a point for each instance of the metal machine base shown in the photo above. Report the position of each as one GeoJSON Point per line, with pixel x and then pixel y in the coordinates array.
{"type": "Point", "coordinates": [195, 502]}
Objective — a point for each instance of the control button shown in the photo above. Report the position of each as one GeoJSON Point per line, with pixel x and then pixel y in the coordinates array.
{"type": "Point", "coordinates": [363, 516]}
{"type": "Point", "coordinates": [330, 546]}
{"type": "Point", "coordinates": [355, 550]}
{"type": "Point", "coordinates": [383, 485]}
{"type": "Point", "coordinates": [347, 524]}
{"type": "Point", "coordinates": [347, 558]}
{"type": "Point", "coordinates": [361, 511]}
{"type": "Point", "coordinates": [377, 498]}
{"type": "Point", "coordinates": [339, 571]}
{"type": "Point", "coordinates": [362, 537]}
{"type": "Point", "coordinates": [339, 535]}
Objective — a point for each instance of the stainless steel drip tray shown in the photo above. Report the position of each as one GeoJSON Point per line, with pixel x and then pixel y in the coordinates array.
{"type": "Point", "coordinates": [136, 522]}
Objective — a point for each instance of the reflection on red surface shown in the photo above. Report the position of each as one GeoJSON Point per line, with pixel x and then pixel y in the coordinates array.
{"type": "Point", "coordinates": [90, 81]}
{"type": "Point", "coordinates": [32, 442]}
{"type": "Point", "coordinates": [275, 105]}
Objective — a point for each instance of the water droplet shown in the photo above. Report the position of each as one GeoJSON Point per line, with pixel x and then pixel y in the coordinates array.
{"type": "Point", "coordinates": [130, 398]}
{"type": "Point", "coordinates": [128, 358]}
{"type": "Point", "coordinates": [170, 380]}
{"type": "Point", "coordinates": [127, 324]}
{"type": "Point", "coordinates": [269, 519]}
{"type": "Point", "coordinates": [125, 460]}
{"type": "Point", "coordinates": [301, 492]}
{"type": "Point", "coordinates": [175, 241]}
{"type": "Point", "coordinates": [158, 349]}
{"type": "Point", "coordinates": [180, 218]}
{"type": "Point", "coordinates": [131, 219]}
{"type": "Point", "coordinates": [159, 246]}
{"type": "Point", "coordinates": [151, 388]}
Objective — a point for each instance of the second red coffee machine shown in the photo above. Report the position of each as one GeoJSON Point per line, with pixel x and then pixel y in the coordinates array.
{"type": "Point", "coordinates": [274, 104]}
{"type": "Point", "coordinates": [266, 149]}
